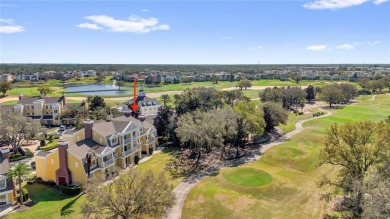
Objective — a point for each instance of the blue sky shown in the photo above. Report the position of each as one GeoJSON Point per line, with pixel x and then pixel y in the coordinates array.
{"type": "Point", "coordinates": [195, 32]}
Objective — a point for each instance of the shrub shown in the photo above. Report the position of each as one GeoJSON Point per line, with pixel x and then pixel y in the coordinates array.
{"type": "Point", "coordinates": [364, 92]}
{"type": "Point", "coordinates": [28, 153]}
{"type": "Point", "coordinates": [43, 143]}
{"type": "Point", "coordinates": [300, 113]}
{"type": "Point", "coordinates": [25, 194]}
{"type": "Point", "coordinates": [49, 146]}
{"type": "Point", "coordinates": [136, 159]}
{"type": "Point", "coordinates": [17, 156]}
{"type": "Point", "coordinates": [51, 138]}
{"type": "Point", "coordinates": [72, 191]}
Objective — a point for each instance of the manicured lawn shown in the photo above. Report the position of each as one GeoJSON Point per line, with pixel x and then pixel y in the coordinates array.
{"type": "Point", "coordinates": [157, 163]}
{"type": "Point", "coordinates": [11, 102]}
{"type": "Point", "coordinates": [49, 204]}
{"type": "Point", "coordinates": [247, 176]}
{"type": "Point", "coordinates": [293, 165]}
{"type": "Point", "coordinates": [292, 119]}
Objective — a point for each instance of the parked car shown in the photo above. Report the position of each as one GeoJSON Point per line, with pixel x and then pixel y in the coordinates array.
{"type": "Point", "coordinates": [62, 128]}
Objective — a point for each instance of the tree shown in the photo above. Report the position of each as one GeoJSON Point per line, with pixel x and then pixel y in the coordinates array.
{"type": "Point", "coordinates": [253, 118]}
{"type": "Point", "coordinates": [355, 149]}
{"type": "Point", "coordinates": [97, 102]}
{"type": "Point", "coordinates": [244, 84]}
{"type": "Point", "coordinates": [89, 99]}
{"type": "Point", "coordinates": [310, 93]}
{"type": "Point", "coordinates": [296, 77]}
{"type": "Point", "coordinates": [45, 90]}
{"type": "Point", "coordinates": [100, 79]}
{"type": "Point", "coordinates": [18, 171]}
{"type": "Point", "coordinates": [119, 84]}
{"type": "Point", "coordinates": [274, 115]}
{"type": "Point", "coordinates": [165, 98]}
{"type": "Point", "coordinates": [15, 129]}
{"type": "Point", "coordinates": [161, 121]}
{"type": "Point", "coordinates": [204, 131]}
{"type": "Point", "coordinates": [349, 91]}
{"type": "Point", "coordinates": [5, 86]}
{"type": "Point", "coordinates": [331, 94]}
{"type": "Point", "coordinates": [132, 195]}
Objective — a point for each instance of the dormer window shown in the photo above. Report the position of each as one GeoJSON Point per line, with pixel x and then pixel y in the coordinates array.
{"type": "Point", "coordinates": [3, 182]}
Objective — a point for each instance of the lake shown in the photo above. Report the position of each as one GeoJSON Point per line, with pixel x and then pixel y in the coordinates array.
{"type": "Point", "coordinates": [96, 89]}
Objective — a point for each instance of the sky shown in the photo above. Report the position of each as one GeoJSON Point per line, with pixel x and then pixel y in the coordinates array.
{"type": "Point", "coordinates": [195, 32]}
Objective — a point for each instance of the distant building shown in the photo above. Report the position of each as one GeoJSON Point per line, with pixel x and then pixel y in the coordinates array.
{"type": "Point", "coordinates": [7, 77]}
{"type": "Point", "coordinates": [147, 106]}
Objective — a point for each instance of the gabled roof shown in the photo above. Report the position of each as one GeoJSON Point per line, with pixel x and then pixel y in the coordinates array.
{"type": "Point", "coordinates": [4, 164]}
{"type": "Point", "coordinates": [48, 100]}
{"type": "Point", "coordinates": [81, 148]}
{"type": "Point", "coordinates": [143, 101]}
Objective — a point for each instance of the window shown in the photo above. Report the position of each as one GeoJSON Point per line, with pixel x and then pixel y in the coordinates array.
{"type": "Point", "coordinates": [3, 200]}
{"type": "Point", "coordinates": [28, 114]}
{"type": "Point", "coordinates": [32, 107]}
{"type": "Point", "coordinates": [55, 111]}
{"type": "Point", "coordinates": [47, 107]}
{"type": "Point", "coordinates": [77, 164]}
{"type": "Point", "coordinates": [52, 161]}
{"type": "Point", "coordinates": [3, 182]}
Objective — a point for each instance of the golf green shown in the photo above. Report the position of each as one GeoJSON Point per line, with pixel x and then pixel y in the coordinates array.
{"type": "Point", "coordinates": [247, 176]}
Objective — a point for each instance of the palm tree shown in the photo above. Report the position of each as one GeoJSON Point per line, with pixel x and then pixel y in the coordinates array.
{"type": "Point", "coordinates": [165, 98]}
{"type": "Point", "coordinates": [18, 171]}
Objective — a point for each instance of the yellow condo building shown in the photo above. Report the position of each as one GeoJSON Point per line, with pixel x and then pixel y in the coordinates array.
{"type": "Point", "coordinates": [7, 188]}
{"type": "Point", "coordinates": [97, 147]}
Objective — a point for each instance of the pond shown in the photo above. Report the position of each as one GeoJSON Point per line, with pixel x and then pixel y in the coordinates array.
{"type": "Point", "coordinates": [97, 89]}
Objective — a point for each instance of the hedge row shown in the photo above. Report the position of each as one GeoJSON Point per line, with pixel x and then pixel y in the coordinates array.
{"type": "Point", "coordinates": [43, 182]}
{"type": "Point", "coordinates": [18, 156]}
{"type": "Point", "coordinates": [71, 191]}
{"type": "Point", "coordinates": [318, 114]}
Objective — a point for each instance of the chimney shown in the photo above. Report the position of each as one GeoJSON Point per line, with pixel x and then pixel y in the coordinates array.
{"type": "Point", "coordinates": [127, 113]}
{"type": "Point", "coordinates": [63, 175]}
{"type": "Point", "coordinates": [4, 151]}
{"type": "Point", "coordinates": [141, 118]}
{"type": "Point", "coordinates": [20, 96]}
{"type": "Point", "coordinates": [63, 99]}
{"type": "Point", "coordinates": [88, 124]}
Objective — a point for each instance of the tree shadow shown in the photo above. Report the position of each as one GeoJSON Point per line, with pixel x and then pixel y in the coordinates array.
{"type": "Point", "coordinates": [67, 209]}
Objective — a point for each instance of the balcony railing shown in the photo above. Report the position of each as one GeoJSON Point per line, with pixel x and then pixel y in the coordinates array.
{"type": "Point", "coordinates": [130, 150]}
{"type": "Point", "coordinates": [116, 155]}
{"type": "Point", "coordinates": [127, 140]}
{"type": "Point", "coordinates": [151, 140]}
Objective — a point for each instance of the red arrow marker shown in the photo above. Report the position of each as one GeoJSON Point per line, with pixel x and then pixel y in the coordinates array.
{"type": "Point", "coordinates": [134, 106]}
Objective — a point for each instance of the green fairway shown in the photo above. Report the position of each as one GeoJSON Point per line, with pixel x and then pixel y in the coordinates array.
{"type": "Point", "coordinates": [293, 165]}
{"type": "Point", "coordinates": [247, 176]}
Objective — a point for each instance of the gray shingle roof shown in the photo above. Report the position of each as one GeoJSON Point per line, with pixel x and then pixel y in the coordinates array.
{"type": "Point", "coordinates": [42, 153]}
{"type": "Point", "coordinates": [48, 100]}
{"type": "Point", "coordinates": [81, 148]}
{"type": "Point", "coordinates": [4, 164]}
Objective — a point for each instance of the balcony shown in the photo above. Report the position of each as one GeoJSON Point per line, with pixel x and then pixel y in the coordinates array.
{"type": "Point", "coordinates": [151, 140]}
{"type": "Point", "coordinates": [106, 163]}
{"type": "Point", "coordinates": [130, 151]}
{"type": "Point", "coordinates": [127, 140]}
{"type": "Point", "coordinates": [116, 155]}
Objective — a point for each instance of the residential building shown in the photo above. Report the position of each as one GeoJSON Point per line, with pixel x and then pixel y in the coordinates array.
{"type": "Point", "coordinates": [98, 147]}
{"type": "Point", "coordinates": [47, 110]}
{"type": "Point", "coordinates": [7, 77]}
{"type": "Point", "coordinates": [7, 187]}
{"type": "Point", "coordinates": [27, 77]}
{"type": "Point", "coordinates": [147, 106]}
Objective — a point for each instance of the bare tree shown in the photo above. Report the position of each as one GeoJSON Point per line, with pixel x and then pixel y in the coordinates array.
{"type": "Point", "coordinates": [131, 195]}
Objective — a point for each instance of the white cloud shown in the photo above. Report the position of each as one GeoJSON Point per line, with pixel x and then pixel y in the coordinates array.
{"type": "Point", "coordinates": [145, 10]}
{"type": "Point", "coordinates": [345, 46]}
{"type": "Point", "coordinates": [134, 24]}
{"type": "Point", "coordinates": [378, 2]}
{"type": "Point", "coordinates": [256, 47]}
{"type": "Point", "coordinates": [316, 47]}
{"type": "Point", "coordinates": [7, 5]}
{"type": "Point", "coordinates": [368, 43]}
{"type": "Point", "coordinates": [10, 27]}
{"type": "Point", "coordinates": [7, 21]}
{"type": "Point", "coordinates": [89, 26]}
{"type": "Point", "coordinates": [338, 4]}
